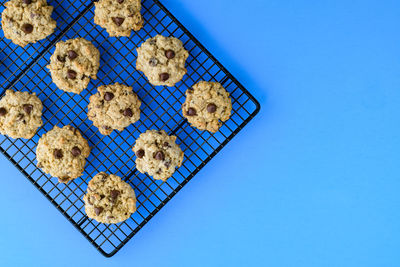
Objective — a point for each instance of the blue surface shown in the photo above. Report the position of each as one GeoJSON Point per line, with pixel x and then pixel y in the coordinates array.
{"type": "Point", "coordinates": [312, 181]}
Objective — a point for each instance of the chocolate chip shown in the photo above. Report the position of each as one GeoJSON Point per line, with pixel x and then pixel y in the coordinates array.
{"type": "Point", "coordinates": [72, 54]}
{"type": "Point", "coordinates": [120, 1]}
{"type": "Point", "coordinates": [211, 108]}
{"type": "Point", "coordinates": [167, 164]}
{"type": "Point", "coordinates": [75, 151]}
{"type": "Point", "coordinates": [159, 155]}
{"type": "Point", "coordinates": [27, 1]}
{"type": "Point", "coordinates": [164, 76]}
{"type": "Point", "coordinates": [170, 54]}
{"type": "Point", "coordinates": [102, 196]}
{"type": "Point", "coordinates": [118, 20]}
{"type": "Point", "coordinates": [191, 112]}
{"type": "Point", "coordinates": [159, 171]}
{"type": "Point", "coordinates": [114, 195]}
{"type": "Point", "coordinates": [61, 59]}
{"type": "Point", "coordinates": [153, 62]}
{"type": "Point", "coordinates": [3, 111]}
{"type": "Point", "coordinates": [28, 108]}
{"type": "Point", "coordinates": [58, 154]}
{"type": "Point", "coordinates": [106, 127]}
{"type": "Point", "coordinates": [104, 176]}
{"type": "Point", "coordinates": [71, 74]}
{"type": "Point", "coordinates": [98, 210]}
{"type": "Point", "coordinates": [166, 144]}
{"type": "Point", "coordinates": [128, 112]}
{"type": "Point", "coordinates": [110, 217]}
{"type": "Point", "coordinates": [40, 165]}
{"type": "Point", "coordinates": [27, 28]}
{"type": "Point", "coordinates": [140, 153]}
{"type": "Point", "coordinates": [108, 96]}
{"type": "Point", "coordinates": [152, 42]}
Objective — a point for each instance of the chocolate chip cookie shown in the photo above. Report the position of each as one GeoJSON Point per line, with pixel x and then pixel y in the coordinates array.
{"type": "Point", "coordinates": [109, 199]}
{"type": "Point", "coordinates": [162, 60]}
{"type": "Point", "coordinates": [27, 21]}
{"type": "Point", "coordinates": [73, 63]}
{"type": "Point", "coordinates": [20, 114]}
{"type": "Point", "coordinates": [62, 153]}
{"type": "Point", "coordinates": [157, 154]}
{"type": "Point", "coordinates": [118, 17]}
{"type": "Point", "coordinates": [113, 107]}
{"type": "Point", "coordinates": [207, 105]}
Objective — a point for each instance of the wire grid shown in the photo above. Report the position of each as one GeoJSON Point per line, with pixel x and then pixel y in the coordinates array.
{"type": "Point", "coordinates": [161, 109]}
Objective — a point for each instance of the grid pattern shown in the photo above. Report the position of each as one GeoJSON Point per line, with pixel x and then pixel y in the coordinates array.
{"type": "Point", "coordinates": [25, 69]}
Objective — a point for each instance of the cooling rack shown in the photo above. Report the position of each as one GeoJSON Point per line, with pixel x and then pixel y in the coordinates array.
{"type": "Point", "coordinates": [24, 69]}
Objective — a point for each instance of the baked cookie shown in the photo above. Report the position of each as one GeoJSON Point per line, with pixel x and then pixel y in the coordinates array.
{"type": "Point", "coordinates": [20, 114]}
{"type": "Point", "coordinates": [162, 60]}
{"type": "Point", "coordinates": [73, 63]}
{"type": "Point", "coordinates": [27, 21]}
{"type": "Point", "coordinates": [157, 154]}
{"type": "Point", "coordinates": [118, 17]}
{"type": "Point", "coordinates": [113, 107]}
{"type": "Point", "coordinates": [109, 199]}
{"type": "Point", "coordinates": [62, 153]}
{"type": "Point", "coordinates": [206, 105]}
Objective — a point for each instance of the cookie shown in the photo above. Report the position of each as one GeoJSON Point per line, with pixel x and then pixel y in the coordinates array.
{"type": "Point", "coordinates": [27, 21]}
{"type": "Point", "coordinates": [113, 107]}
{"type": "Point", "coordinates": [162, 60]}
{"type": "Point", "coordinates": [73, 63]}
{"type": "Point", "coordinates": [118, 17]}
{"type": "Point", "coordinates": [109, 199]}
{"type": "Point", "coordinates": [62, 153]}
{"type": "Point", "coordinates": [207, 105]}
{"type": "Point", "coordinates": [20, 114]}
{"type": "Point", "coordinates": [157, 154]}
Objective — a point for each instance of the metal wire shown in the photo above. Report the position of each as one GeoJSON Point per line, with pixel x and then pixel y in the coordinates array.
{"type": "Point", "coordinates": [25, 69]}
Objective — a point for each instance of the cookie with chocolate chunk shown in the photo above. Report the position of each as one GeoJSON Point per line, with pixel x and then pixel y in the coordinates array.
{"type": "Point", "coordinates": [27, 21]}
{"type": "Point", "coordinates": [207, 105]}
{"type": "Point", "coordinates": [20, 114]}
{"type": "Point", "coordinates": [62, 153]}
{"type": "Point", "coordinates": [113, 107]}
{"type": "Point", "coordinates": [109, 199]}
{"type": "Point", "coordinates": [162, 59]}
{"type": "Point", "coordinates": [73, 63]}
{"type": "Point", "coordinates": [157, 154]}
{"type": "Point", "coordinates": [118, 17]}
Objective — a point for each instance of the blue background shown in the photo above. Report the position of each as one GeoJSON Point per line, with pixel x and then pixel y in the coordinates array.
{"type": "Point", "coordinates": [313, 180]}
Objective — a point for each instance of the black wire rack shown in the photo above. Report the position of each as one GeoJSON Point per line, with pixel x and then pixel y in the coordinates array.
{"type": "Point", "coordinates": [24, 69]}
